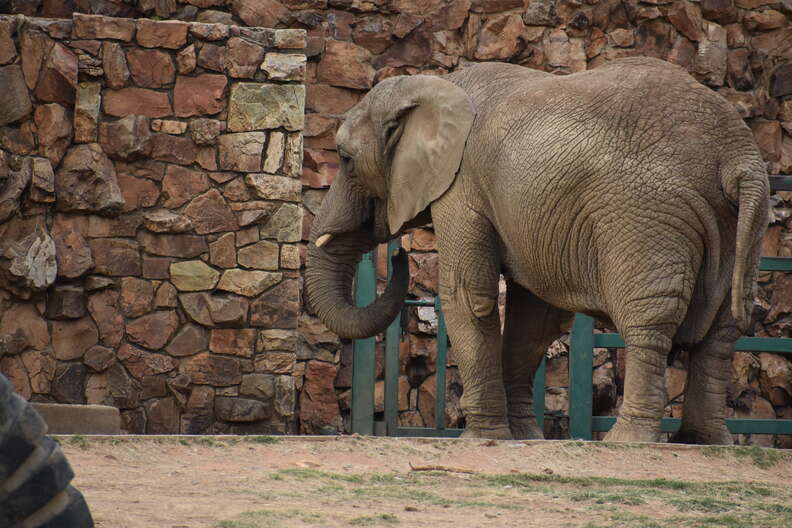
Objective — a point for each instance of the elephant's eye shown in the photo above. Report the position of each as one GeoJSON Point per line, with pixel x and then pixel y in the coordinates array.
{"type": "Point", "coordinates": [346, 160]}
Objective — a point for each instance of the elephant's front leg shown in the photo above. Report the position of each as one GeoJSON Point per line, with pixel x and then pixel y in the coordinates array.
{"type": "Point", "coordinates": [469, 273]}
{"type": "Point", "coordinates": [530, 326]}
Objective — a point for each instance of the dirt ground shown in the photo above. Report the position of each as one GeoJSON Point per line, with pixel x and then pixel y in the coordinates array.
{"type": "Point", "coordinates": [257, 482]}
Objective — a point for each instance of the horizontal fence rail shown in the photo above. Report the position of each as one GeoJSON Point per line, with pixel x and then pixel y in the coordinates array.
{"type": "Point", "coordinates": [583, 341]}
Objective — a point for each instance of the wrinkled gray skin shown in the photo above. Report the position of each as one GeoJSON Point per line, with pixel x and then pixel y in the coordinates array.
{"type": "Point", "coordinates": [614, 192]}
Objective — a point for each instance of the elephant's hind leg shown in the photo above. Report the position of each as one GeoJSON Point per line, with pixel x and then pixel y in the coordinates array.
{"type": "Point", "coordinates": [704, 410]}
{"type": "Point", "coordinates": [531, 325]}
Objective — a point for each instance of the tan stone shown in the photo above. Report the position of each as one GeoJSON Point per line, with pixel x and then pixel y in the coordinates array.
{"type": "Point", "coordinates": [241, 152]}
{"type": "Point", "coordinates": [272, 187]}
{"type": "Point", "coordinates": [169, 126]}
{"type": "Point", "coordinates": [141, 363]}
{"type": "Point", "coordinates": [248, 283]}
{"type": "Point", "coordinates": [259, 106]}
{"type": "Point", "coordinates": [127, 138]}
{"type": "Point", "coordinates": [261, 255]}
{"type": "Point", "coordinates": [347, 65]}
{"type": "Point", "coordinates": [276, 339]}
{"type": "Point", "coordinates": [224, 310]}
{"type": "Point", "coordinates": [186, 60]}
{"type": "Point", "coordinates": [54, 127]}
{"type": "Point", "coordinates": [206, 31]}
{"type": "Point", "coordinates": [210, 369]}
{"type": "Point", "coordinates": [284, 66]}
{"type": "Point", "coordinates": [242, 58]}
{"type": "Point", "coordinates": [285, 224]}
{"type": "Point", "coordinates": [104, 310]}
{"type": "Point", "coordinates": [22, 327]}
{"type": "Point", "coordinates": [258, 385]}
{"type": "Point", "coordinates": [190, 340]}
{"type": "Point", "coordinates": [710, 62]}
{"type": "Point", "coordinates": [276, 362]}
{"type": "Point", "coordinates": [164, 221]}
{"type": "Point", "coordinates": [289, 38]}
{"type": "Point", "coordinates": [193, 275]}
{"type": "Point", "coordinates": [499, 37]}
{"type": "Point", "coordinates": [274, 156]}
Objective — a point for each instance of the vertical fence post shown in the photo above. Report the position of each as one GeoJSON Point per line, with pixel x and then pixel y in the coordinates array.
{"type": "Point", "coordinates": [440, 365]}
{"type": "Point", "coordinates": [581, 365]}
{"type": "Point", "coordinates": [363, 353]}
{"type": "Point", "coordinates": [392, 338]}
{"type": "Point", "coordinates": [539, 394]}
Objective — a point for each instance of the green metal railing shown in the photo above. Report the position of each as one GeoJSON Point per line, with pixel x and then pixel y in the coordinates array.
{"type": "Point", "coordinates": [583, 340]}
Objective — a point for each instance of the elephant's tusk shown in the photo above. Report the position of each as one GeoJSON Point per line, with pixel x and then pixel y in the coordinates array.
{"type": "Point", "coordinates": [324, 239]}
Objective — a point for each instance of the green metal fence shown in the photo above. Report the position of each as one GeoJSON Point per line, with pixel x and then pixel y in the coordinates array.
{"type": "Point", "coordinates": [583, 340]}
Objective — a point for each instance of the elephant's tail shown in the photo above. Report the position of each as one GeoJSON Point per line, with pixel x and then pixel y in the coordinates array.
{"type": "Point", "coordinates": [748, 188]}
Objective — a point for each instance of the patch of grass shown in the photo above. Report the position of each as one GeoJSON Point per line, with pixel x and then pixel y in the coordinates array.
{"type": "Point", "coordinates": [704, 504]}
{"type": "Point", "coordinates": [262, 439]}
{"type": "Point", "coordinates": [761, 457]}
{"type": "Point", "coordinates": [599, 497]}
{"type": "Point", "coordinates": [306, 474]}
{"type": "Point", "coordinates": [267, 519]}
{"type": "Point", "coordinates": [79, 441]}
{"type": "Point", "coordinates": [383, 518]}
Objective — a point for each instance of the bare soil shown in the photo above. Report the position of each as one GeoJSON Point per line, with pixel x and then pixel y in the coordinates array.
{"type": "Point", "coordinates": [258, 482]}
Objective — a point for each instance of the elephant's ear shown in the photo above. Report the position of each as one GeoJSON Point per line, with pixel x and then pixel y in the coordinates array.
{"type": "Point", "coordinates": [425, 140]}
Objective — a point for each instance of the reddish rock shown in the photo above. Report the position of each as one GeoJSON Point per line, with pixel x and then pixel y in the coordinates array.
{"type": "Point", "coordinates": [215, 310]}
{"type": "Point", "coordinates": [318, 404]}
{"type": "Point", "coordinates": [86, 181]}
{"type": "Point", "coordinates": [127, 138]}
{"type": "Point", "coordinates": [499, 37]}
{"type": "Point", "coordinates": [209, 369]}
{"type": "Point", "coordinates": [413, 50]}
{"type": "Point", "coordinates": [210, 213]}
{"type": "Point", "coordinates": [180, 185]}
{"type": "Point", "coordinates": [153, 331]}
{"type": "Point", "coordinates": [139, 101]}
{"type": "Point", "coordinates": [320, 167]}
{"type": "Point", "coordinates": [123, 388]}
{"type": "Point", "coordinates": [114, 64]}
{"type": "Point", "coordinates": [13, 368]}
{"type": "Point", "coordinates": [14, 99]}
{"type": "Point", "coordinates": [212, 57]}
{"type": "Point", "coordinates": [173, 149]}
{"type": "Point", "coordinates": [260, 13]}
{"type": "Point", "coordinates": [99, 358]}
{"type": "Point", "coordinates": [115, 256]}
{"type": "Point", "coordinates": [121, 226]}
{"type": "Point", "coordinates": [373, 33]}
{"type": "Point", "coordinates": [204, 31]}
{"type": "Point", "coordinates": [71, 251]}
{"type": "Point", "coordinates": [40, 366]}
{"type": "Point", "coordinates": [329, 99]}
{"type": "Point", "coordinates": [183, 246]}
{"type": "Point", "coordinates": [186, 60]}
{"type": "Point", "coordinates": [22, 327]}
{"type": "Point", "coordinates": [58, 77]}
{"type": "Point", "coordinates": [54, 127]}
{"type": "Point", "coordinates": [720, 11]}
{"type": "Point", "coordinates": [103, 309]}
{"type": "Point", "coordinates": [768, 136]}
{"type": "Point", "coordinates": [233, 341]}
{"type": "Point", "coordinates": [142, 363]}
{"type": "Point", "coordinates": [241, 151]}
{"type": "Point", "coordinates": [190, 340]}
{"type": "Point", "coordinates": [710, 63]}
{"type": "Point", "coordinates": [151, 68]}
{"type": "Point", "coordinates": [346, 64]}
{"type": "Point", "coordinates": [243, 58]}
{"type": "Point", "coordinates": [137, 192]}
{"type": "Point", "coordinates": [781, 82]}
{"type": "Point", "coordinates": [70, 339]}
{"type": "Point", "coordinates": [166, 296]}
{"type": "Point", "coordinates": [205, 131]}
{"type": "Point", "coordinates": [34, 48]}
{"type": "Point", "coordinates": [686, 18]}
{"type": "Point", "coordinates": [775, 378]}
{"type": "Point", "coordinates": [136, 296]}
{"type": "Point", "coordinates": [222, 252]}
{"type": "Point", "coordinates": [201, 95]}
{"type": "Point", "coordinates": [164, 221]}
{"type": "Point", "coordinates": [764, 20]}
{"type": "Point", "coordinates": [277, 308]}
{"type": "Point", "coordinates": [739, 69]}
{"type": "Point", "coordinates": [171, 34]}
{"type": "Point", "coordinates": [102, 27]}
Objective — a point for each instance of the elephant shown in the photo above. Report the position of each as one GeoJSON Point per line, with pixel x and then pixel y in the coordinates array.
{"type": "Point", "coordinates": [629, 192]}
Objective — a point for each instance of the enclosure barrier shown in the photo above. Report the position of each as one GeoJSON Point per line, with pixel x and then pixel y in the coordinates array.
{"type": "Point", "coordinates": [583, 341]}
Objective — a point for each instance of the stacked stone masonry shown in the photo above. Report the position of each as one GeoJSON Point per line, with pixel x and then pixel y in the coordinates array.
{"type": "Point", "coordinates": [740, 48]}
{"type": "Point", "coordinates": [151, 214]}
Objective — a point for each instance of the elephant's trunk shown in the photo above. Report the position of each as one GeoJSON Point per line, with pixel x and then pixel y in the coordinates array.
{"type": "Point", "coordinates": [328, 287]}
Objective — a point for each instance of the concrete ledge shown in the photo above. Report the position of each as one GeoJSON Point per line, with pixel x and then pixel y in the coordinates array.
{"type": "Point", "coordinates": [64, 418]}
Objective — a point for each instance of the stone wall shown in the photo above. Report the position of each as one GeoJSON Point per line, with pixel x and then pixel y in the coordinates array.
{"type": "Point", "coordinates": [740, 48]}
{"type": "Point", "coordinates": [151, 210]}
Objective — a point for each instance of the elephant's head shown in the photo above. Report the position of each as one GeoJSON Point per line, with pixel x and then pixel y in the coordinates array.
{"type": "Point", "coordinates": [400, 149]}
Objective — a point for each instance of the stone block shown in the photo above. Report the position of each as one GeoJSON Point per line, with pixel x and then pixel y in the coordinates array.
{"type": "Point", "coordinates": [201, 95]}
{"type": "Point", "coordinates": [8, 50]}
{"type": "Point", "coordinates": [103, 307]}
{"type": "Point", "coordinates": [54, 128]}
{"type": "Point", "coordinates": [262, 255]}
{"type": "Point", "coordinates": [277, 308]}
{"type": "Point", "coordinates": [138, 101]}
{"type": "Point", "coordinates": [241, 409]}
{"type": "Point", "coordinates": [285, 224]}
{"type": "Point", "coordinates": [242, 58]}
{"type": "Point", "coordinates": [289, 38]}
{"type": "Point", "coordinates": [86, 112]}
{"type": "Point", "coordinates": [241, 152]}
{"type": "Point", "coordinates": [153, 331]}
{"type": "Point", "coordinates": [114, 64]}
{"type": "Point", "coordinates": [222, 252]}
{"type": "Point", "coordinates": [103, 27]}
{"type": "Point", "coordinates": [174, 149]}
{"type": "Point", "coordinates": [170, 34]}
{"type": "Point", "coordinates": [126, 139]}
{"type": "Point", "coordinates": [136, 296]}
{"type": "Point", "coordinates": [215, 310]}
{"type": "Point", "coordinates": [248, 283]}
{"type": "Point", "coordinates": [66, 301]}
{"type": "Point", "coordinates": [193, 275]}
{"type": "Point", "coordinates": [164, 221]}
{"type": "Point", "coordinates": [71, 339]}
{"type": "Point", "coordinates": [167, 245]}
{"type": "Point", "coordinates": [57, 80]}
{"type": "Point", "coordinates": [115, 256]}
{"type": "Point", "coordinates": [233, 341]}
{"type": "Point", "coordinates": [273, 187]}
{"type": "Point", "coordinates": [211, 369]}
{"type": "Point", "coordinates": [169, 126]}
{"type": "Point", "coordinates": [86, 181]}
{"type": "Point", "coordinates": [210, 213]}
{"type": "Point", "coordinates": [14, 98]}
{"type": "Point", "coordinates": [190, 340]}
{"type": "Point", "coordinates": [276, 340]}
{"type": "Point", "coordinates": [284, 66]}
{"type": "Point", "coordinates": [261, 106]}
{"type": "Point", "coordinates": [151, 68]}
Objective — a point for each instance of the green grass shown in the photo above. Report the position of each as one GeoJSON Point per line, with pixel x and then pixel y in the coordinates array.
{"type": "Point", "coordinates": [79, 441]}
{"type": "Point", "coordinates": [268, 519]}
{"type": "Point", "coordinates": [761, 457]}
{"type": "Point", "coordinates": [383, 518]}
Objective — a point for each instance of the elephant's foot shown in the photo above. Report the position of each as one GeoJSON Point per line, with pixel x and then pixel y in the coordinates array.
{"type": "Point", "coordinates": [709, 436]}
{"type": "Point", "coordinates": [641, 430]}
{"type": "Point", "coordinates": [493, 433]}
{"type": "Point", "coordinates": [525, 429]}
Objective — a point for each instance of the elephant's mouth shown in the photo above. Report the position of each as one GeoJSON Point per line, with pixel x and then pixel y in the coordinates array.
{"type": "Point", "coordinates": [375, 225]}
